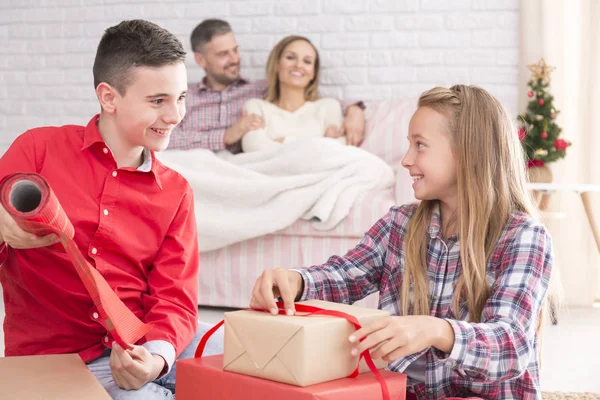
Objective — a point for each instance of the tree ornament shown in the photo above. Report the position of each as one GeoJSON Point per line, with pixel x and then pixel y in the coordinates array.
{"type": "Point", "coordinates": [530, 94]}
{"type": "Point", "coordinates": [544, 135]}
{"type": "Point", "coordinates": [535, 163]}
{"type": "Point", "coordinates": [541, 102]}
{"type": "Point", "coordinates": [522, 133]}
{"type": "Point", "coordinates": [539, 117]}
{"type": "Point", "coordinates": [552, 114]}
{"type": "Point", "coordinates": [561, 144]}
{"type": "Point", "coordinates": [541, 70]}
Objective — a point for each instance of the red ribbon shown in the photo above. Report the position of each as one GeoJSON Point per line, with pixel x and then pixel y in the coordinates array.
{"type": "Point", "coordinates": [33, 205]}
{"type": "Point", "coordinates": [308, 311]}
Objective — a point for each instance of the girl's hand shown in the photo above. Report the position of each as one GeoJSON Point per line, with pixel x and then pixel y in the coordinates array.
{"type": "Point", "coordinates": [392, 338]}
{"type": "Point", "coordinates": [273, 283]}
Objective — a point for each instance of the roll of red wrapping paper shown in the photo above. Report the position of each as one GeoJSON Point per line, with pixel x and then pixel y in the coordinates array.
{"type": "Point", "coordinates": [33, 205]}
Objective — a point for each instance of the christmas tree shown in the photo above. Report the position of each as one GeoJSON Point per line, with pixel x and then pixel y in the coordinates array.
{"type": "Point", "coordinates": [539, 133]}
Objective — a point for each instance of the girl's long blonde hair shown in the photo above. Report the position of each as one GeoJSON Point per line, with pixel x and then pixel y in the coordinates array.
{"type": "Point", "coordinates": [311, 93]}
{"type": "Point", "coordinates": [491, 181]}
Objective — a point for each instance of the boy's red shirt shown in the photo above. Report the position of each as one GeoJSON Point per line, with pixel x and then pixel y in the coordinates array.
{"type": "Point", "coordinates": [137, 228]}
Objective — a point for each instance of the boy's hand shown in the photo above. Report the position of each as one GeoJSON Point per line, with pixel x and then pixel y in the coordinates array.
{"type": "Point", "coordinates": [17, 238]}
{"type": "Point", "coordinates": [243, 125]}
{"type": "Point", "coordinates": [392, 338]}
{"type": "Point", "coordinates": [274, 283]}
{"type": "Point", "coordinates": [133, 368]}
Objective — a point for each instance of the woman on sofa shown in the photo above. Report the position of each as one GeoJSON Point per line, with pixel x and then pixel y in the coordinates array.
{"type": "Point", "coordinates": [292, 109]}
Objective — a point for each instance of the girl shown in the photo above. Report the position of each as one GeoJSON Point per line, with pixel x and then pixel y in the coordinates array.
{"type": "Point", "coordinates": [463, 273]}
{"type": "Point", "coordinates": [292, 108]}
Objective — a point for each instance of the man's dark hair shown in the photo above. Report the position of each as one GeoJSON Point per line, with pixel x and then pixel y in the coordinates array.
{"type": "Point", "coordinates": [206, 30]}
{"type": "Point", "coordinates": [131, 44]}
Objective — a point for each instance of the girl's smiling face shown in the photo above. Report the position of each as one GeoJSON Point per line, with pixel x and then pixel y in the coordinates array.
{"type": "Point", "coordinates": [430, 158]}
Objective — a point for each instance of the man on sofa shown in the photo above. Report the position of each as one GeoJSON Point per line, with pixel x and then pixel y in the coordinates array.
{"type": "Point", "coordinates": [214, 118]}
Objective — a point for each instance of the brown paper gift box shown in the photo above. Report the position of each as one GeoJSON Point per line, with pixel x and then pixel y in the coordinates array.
{"type": "Point", "coordinates": [297, 350]}
{"type": "Point", "coordinates": [63, 376]}
{"type": "Point", "coordinates": [204, 379]}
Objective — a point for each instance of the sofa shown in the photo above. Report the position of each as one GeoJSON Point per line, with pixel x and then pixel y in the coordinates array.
{"type": "Point", "coordinates": [227, 274]}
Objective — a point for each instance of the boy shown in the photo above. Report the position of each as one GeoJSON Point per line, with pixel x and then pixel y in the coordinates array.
{"type": "Point", "coordinates": [133, 217]}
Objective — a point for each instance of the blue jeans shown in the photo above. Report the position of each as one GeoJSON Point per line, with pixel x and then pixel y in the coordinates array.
{"type": "Point", "coordinates": [163, 388]}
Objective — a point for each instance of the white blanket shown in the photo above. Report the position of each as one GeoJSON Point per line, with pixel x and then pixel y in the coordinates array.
{"type": "Point", "coordinates": [238, 197]}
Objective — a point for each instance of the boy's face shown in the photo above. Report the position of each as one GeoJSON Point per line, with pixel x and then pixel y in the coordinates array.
{"type": "Point", "coordinates": [153, 104]}
{"type": "Point", "coordinates": [430, 159]}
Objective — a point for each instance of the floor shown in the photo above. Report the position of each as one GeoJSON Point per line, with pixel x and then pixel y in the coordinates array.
{"type": "Point", "coordinates": [571, 354]}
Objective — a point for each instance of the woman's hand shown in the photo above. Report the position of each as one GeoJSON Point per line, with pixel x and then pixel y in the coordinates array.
{"type": "Point", "coordinates": [392, 338]}
{"type": "Point", "coordinates": [274, 283]}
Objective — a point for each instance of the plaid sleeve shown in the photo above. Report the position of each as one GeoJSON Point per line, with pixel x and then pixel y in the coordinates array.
{"type": "Point", "coordinates": [184, 138]}
{"type": "Point", "coordinates": [354, 276]}
{"type": "Point", "coordinates": [501, 346]}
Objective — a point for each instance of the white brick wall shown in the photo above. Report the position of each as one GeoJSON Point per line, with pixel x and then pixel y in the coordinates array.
{"type": "Point", "coordinates": [371, 49]}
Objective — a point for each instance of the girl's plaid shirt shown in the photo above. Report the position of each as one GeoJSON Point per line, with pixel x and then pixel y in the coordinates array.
{"type": "Point", "coordinates": [496, 358]}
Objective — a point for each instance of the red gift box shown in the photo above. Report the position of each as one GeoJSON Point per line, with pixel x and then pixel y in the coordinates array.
{"type": "Point", "coordinates": [204, 378]}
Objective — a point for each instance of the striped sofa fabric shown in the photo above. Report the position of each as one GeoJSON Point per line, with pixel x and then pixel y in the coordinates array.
{"type": "Point", "coordinates": [227, 275]}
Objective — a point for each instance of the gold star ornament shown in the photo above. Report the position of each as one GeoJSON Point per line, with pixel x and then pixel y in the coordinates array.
{"type": "Point", "coordinates": [541, 70]}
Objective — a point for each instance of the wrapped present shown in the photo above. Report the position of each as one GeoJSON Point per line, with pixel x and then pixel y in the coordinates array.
{"type": "Point", "coordinates": [56, 376]}
{"type": "Point", "coordinates": [293, 349]}
{"type": "Point", "coordinates": [204, 378]}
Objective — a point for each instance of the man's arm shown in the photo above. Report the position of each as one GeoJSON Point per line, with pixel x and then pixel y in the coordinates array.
{"type": "Point", "coordinates": [194, 133]}
{"type": "Point", "coordinates": [354, 125]}
{"type": "Point", "coordinates": [348, 104]}
{"type": "Point", "coordinates": [184, 138]}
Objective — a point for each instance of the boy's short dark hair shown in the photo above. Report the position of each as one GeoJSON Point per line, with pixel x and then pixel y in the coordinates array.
{"type": "Point", "coordinates": [131, 44]}
{"type": "Point", "coordinates": [206, 30]}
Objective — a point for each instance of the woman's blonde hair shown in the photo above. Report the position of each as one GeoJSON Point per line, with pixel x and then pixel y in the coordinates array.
{"type": "Point", "coordinates": [311, 93]}
{"type": "Point", "coordinates": [491, 181]}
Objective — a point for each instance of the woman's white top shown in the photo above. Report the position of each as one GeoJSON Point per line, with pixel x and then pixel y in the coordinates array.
{"type": "Point", "coordinates": [310, 120]}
